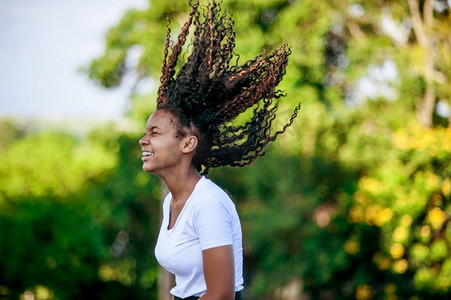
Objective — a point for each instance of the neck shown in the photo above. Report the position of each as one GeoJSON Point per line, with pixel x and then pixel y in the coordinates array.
{"type": "Point", "coordinates": [181, 185]}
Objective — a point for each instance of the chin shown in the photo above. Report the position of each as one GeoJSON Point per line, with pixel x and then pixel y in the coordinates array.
{"type": "Point", "coordinates": [147, 169]}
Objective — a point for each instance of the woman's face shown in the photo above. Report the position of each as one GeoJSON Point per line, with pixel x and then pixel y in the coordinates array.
{"type": "Point", "coordinates": [161, 147]}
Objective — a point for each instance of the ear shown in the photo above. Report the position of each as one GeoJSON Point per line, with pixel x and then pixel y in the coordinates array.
{"type": "Point", "coordinates": [189, 144]}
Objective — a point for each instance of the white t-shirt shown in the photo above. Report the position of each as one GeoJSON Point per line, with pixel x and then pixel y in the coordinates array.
{"type": "Point", "coordinates": [207, 220]}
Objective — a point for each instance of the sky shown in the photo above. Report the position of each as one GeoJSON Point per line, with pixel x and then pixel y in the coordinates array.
{"type": "Point", "coordinates": [43, 45]}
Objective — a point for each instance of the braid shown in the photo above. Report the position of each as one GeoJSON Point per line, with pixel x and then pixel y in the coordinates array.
{"type": "Point", "coordinates": [208, 93]}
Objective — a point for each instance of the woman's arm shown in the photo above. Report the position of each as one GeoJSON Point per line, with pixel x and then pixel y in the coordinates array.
{"type": "Point", "coordinates": [219, 271]}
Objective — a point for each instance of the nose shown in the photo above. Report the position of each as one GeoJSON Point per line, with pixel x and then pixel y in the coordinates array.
{"type": "Point", "coordinates": [144, 140]}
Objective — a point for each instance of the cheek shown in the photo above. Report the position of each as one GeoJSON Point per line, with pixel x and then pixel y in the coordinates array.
{"type": "Point", "coordinates": [168, 148]}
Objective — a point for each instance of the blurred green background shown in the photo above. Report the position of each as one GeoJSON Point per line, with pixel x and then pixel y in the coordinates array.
{"type": "Point", "coordinates": [353, 202]}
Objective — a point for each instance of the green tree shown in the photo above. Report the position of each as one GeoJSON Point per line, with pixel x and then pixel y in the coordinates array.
{"type": "Point", "coordinates": [77, 217]}
{"type": "Point", "coordinates": [354, 200]}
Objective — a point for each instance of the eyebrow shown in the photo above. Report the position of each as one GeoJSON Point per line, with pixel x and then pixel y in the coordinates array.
{"type": "Point", "coordinates": [153, 127]}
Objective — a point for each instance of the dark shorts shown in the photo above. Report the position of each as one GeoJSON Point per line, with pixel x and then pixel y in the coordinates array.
{"type": "Point", "coordinates": [237, 297]}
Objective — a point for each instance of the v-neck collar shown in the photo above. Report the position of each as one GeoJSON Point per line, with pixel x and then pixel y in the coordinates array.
{"type": "Point", "coordinates": [196, 187]}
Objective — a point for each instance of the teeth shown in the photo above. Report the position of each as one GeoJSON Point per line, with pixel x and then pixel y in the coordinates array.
{"type": "Point", "coordinates": [146, 153]}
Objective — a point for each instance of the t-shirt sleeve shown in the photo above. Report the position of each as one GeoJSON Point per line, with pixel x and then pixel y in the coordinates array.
{"type": "Point", "coordinates": [213, 222]}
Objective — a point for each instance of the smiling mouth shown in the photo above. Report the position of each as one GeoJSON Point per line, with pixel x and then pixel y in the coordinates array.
{"type": "Point", "coordinates": [147, 154]}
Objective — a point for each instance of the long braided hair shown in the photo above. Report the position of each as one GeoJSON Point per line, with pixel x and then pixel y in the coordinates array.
{"type": "Point", "coordinates": [208, 92]}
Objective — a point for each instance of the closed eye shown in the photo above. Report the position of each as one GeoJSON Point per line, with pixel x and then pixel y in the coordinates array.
{"type": "Point", "coordinates": [151, 133]}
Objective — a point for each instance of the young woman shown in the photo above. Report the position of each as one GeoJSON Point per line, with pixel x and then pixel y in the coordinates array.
{"type": "Point", "coordinates": [190, 132]}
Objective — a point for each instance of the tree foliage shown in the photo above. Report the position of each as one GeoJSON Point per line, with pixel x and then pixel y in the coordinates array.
{"type": "Point", "coordinates": [77, 217]}
{"type": "Point", "coordinates": [352, 202]}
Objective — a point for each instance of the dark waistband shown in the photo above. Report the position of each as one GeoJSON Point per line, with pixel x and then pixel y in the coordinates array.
{"type": "Point", "coordinates": [237, 297]}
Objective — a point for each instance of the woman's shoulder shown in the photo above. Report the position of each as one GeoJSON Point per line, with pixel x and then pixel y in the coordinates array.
{"type": "Point", "coordinates": [210, 193]}
{"type": "Point", "coordinates": [207, 186]}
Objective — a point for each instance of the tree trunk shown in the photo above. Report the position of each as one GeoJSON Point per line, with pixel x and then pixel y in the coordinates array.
{"type": "Point", "coordinates": [425, 108]}
{"type": "Point", "coordinates": [165, 283]}
{"type": "Point", "coordinates": [166, 280]}
{"type": "Point", "coordinates": [426, 105]}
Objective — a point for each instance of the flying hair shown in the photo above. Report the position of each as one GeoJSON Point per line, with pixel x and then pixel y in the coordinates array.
{"type": "Point", "coordinates": [209, 92]}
